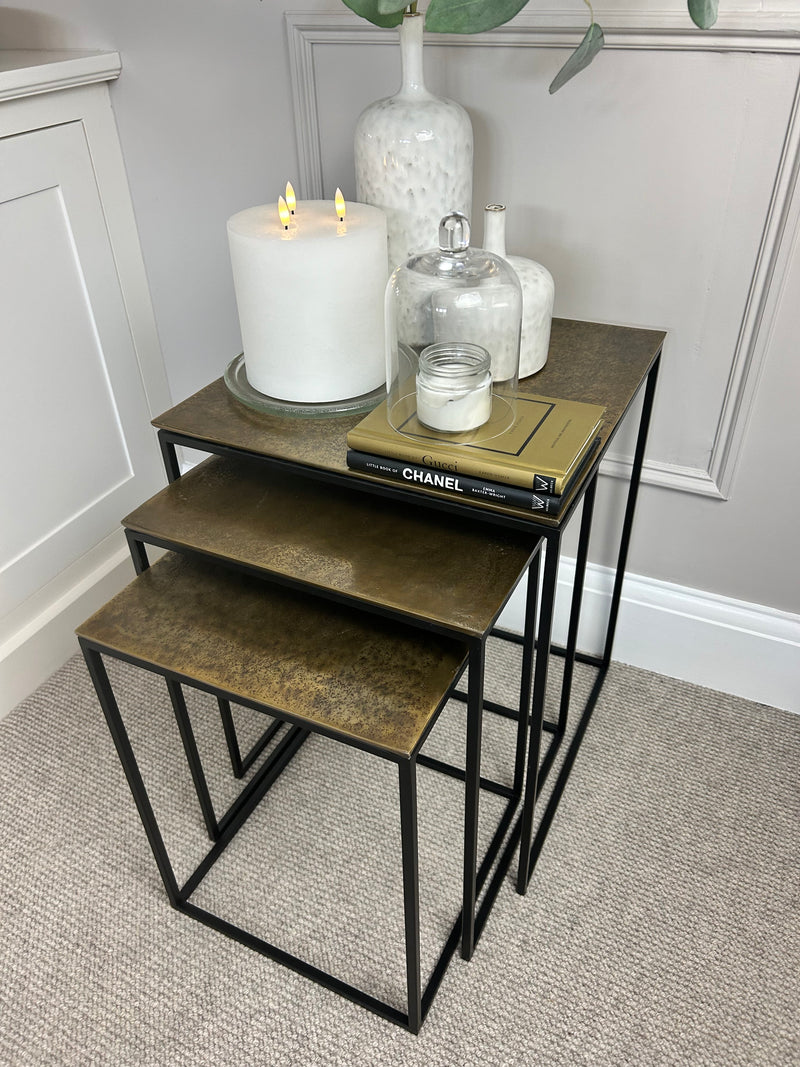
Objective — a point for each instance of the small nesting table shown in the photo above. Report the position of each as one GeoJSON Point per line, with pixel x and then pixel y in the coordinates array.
{"type": "Point", "coordinates": [290, 656]}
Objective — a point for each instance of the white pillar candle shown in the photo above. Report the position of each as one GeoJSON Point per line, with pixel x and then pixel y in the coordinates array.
{"type": "Point", "coordinates": [310, 298]}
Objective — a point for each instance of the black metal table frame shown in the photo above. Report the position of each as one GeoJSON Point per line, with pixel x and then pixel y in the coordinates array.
{"type": "Point", "coordinates": [222, 830]}
{"type": "Point", "coordinates": [538, 765]}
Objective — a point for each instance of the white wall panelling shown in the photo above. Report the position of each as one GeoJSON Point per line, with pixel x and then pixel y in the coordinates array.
{"type": "Point", "coordinates": [717, 148]}
{"type": "Point", "coordinates": [82, 371]}
{"type": "Point", "coordinates": [660, 189]}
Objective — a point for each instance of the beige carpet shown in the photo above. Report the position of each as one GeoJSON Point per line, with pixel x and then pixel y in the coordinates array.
{"type": "Point", "coordinates": [662, 924]}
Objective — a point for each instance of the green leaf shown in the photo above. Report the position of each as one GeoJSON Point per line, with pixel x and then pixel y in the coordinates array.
{"type": "Point", "coordinates": [582, 56]}
{"type": "Point", "coordinates": [368, 9]}
{"type": "Point", "coordinates": [470, 16]}
{"type": "Point", "coordinates": [391, 7]}
{"type": "Point", "coordinates": [703, 12]}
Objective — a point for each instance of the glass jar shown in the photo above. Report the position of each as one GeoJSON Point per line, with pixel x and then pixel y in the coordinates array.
{"type": "Point", "coordinates": [454, 387]}
{"type": "Point", "coordinates": [456, 294]}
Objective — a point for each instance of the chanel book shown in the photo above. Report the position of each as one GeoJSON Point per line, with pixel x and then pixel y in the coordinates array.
{"type": "Point", "coordinates": [416, 476]}
{"type": "Point", "coordinates": [540, 451]}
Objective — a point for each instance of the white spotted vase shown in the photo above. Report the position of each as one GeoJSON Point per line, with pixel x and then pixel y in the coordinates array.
{"type": "Point", "coordinates": [538, 291]}
{"type": "Point", "coordinates": [413, 155]}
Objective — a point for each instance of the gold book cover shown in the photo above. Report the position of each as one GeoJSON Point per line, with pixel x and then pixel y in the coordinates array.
{"type": "Point", "coordinates": [540, 450]}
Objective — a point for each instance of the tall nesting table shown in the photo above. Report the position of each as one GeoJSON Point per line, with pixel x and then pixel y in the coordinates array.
{"type": "Point", "coordinates": [276, 502]}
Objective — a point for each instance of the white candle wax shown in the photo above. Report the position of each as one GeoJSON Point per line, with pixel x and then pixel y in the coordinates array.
{"type": "Point", "coordinates": [456, 411]}
{"type": "Point", "coordinates": [310, 299]}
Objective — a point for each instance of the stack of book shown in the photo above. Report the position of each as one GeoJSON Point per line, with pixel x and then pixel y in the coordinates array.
{"type": "Point", "coordinates": [531, 463]}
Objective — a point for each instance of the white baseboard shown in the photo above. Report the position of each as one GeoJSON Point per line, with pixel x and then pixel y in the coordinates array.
{"type": "Point", "coordinates": [744, 649]}
{"type": "Point", "coordinates": [40, 637]}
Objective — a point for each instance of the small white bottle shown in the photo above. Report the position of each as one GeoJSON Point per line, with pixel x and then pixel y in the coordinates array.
{"type": "Point", "coordinates": [538, 291]}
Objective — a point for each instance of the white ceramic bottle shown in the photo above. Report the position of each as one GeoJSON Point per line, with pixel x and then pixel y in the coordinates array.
{"type": "Point", "coordinates": [538, 291]}
{"type": "Point", "coordinates": [413, 155]}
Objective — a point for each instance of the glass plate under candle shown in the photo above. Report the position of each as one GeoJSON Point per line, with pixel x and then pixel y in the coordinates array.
{"type": "Point", "coordinates": [236, 381]}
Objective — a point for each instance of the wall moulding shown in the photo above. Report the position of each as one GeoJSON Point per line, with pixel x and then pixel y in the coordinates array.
{"type": "Point", "coordinates": [27, 73]}
{"type": "Point", "coordinates": [761, 32]}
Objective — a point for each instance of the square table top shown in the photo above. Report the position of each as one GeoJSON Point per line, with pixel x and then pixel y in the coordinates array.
{"type": "Point", "coordinates": [405, 561]}
{"type": "Point", "coordinates": [374, 683]}
{"type": "Point", "coordinates": [596, 363]}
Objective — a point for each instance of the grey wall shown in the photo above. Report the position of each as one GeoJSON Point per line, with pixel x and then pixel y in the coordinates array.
{"type": "Point", "coordinates": [645, 186]}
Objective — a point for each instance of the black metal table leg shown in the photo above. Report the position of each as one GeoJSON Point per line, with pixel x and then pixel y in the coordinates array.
{"type": "Point", "coordinates": [169, 456]}
{"type": "Point", "coordinates": [193, 757]}
{"type": "Point", "coordinates": [630, 507]}
{"type": "Point", "coordinates": [240, 764]}
{"type": "Point", "coordinates": [108, 703]}
{"type": "Point", "coordinates": [138, 552]}
{"type": "Point", "coordinates": [407, 776]}
{"type": "Point", "coordinates": [232, 741]}
{"type": "Point", "coordinates": [471, 794]}
{"type": "Point", "coordinates": [526, 676]}
{"type": "Point", "coordinates": [544, 632]}
{"type": "Point", "coordinates": [575, 607]}
{"type": "Point", "coordinates": [523, 716]}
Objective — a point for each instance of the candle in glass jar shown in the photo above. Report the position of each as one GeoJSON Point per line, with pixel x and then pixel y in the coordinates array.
{"type": "Point", "coordinates": [309, 290]}
{"type": "Point", "coordinates": [454, 387]}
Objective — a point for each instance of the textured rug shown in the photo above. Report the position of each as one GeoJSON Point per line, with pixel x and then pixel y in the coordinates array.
{"type": "Point", "coordinates": [661, 926]}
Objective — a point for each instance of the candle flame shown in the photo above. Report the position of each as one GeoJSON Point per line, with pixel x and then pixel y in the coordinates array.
{"type": "Point", "coordinates": [283, 212]}
{"type": "Point", "coordinates": [291, 199]}
{"type": "Point", "coordinates": [339, 202]}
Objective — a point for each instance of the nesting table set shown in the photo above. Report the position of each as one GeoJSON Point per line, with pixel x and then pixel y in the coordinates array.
{"type": "Point", "coordinates": [344, 605]}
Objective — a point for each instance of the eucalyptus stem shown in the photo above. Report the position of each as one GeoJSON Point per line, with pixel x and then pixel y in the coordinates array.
{"type": "Point", "coordinates": [478, 16]}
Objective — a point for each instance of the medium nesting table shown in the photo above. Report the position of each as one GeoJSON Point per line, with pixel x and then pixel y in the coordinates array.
{"type": "Point", "coordinates": [335, 613]}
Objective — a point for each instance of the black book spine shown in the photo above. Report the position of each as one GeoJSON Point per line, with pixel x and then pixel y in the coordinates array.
{"type": "Point", "coordinates": [413, 475]}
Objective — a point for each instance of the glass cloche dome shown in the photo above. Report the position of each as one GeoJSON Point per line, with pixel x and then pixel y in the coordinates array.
{"type": "Point", "coordinates": [453, 322]}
